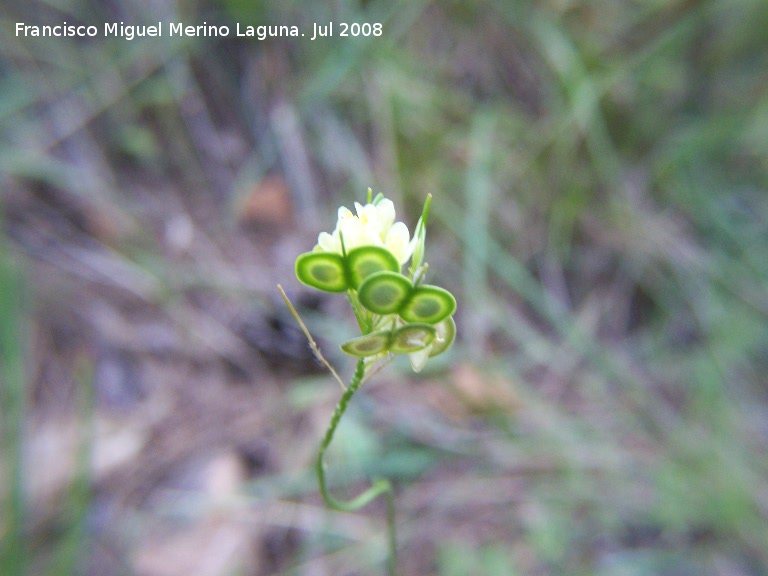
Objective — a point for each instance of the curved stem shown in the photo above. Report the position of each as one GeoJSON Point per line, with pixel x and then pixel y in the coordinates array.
{"type": "Point", "coordinates": [378, 488]}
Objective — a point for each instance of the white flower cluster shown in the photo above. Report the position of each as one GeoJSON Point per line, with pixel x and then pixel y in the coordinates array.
{"type": "Point", "coordinates": [373, 225]}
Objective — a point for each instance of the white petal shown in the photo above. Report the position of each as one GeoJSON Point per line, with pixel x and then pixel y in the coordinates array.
{"type": "Point", "coordinates": [386, 214]}
{"type": "Point", "coordinates": [399, 242]}
{"type": "Point", "coordinates": [344, 215]}
{"type": "Point", "coordinates": [369, 216]}
{"type": "Point", "coordinates": [329, 243]}
{"type": "Point", "coordinates": [354, 233]}
{"type": "Point", "coordinates": [419, 358]}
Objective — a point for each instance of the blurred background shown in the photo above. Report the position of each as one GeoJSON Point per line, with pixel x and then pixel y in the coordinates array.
{"type": "Point", "coordinates": [599, 172]}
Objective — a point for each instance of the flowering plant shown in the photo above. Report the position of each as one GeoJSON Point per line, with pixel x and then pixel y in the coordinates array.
{"type": "Point", "coordinates": [363, 256]}
{"type": "Point", "coordinates": [396, 313]}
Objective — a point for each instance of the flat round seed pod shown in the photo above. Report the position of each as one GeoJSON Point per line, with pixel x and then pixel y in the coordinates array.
{"type": "Point", "coordinates": [368, 345]}
{"type": "Point", "coordinates": [429, 304]}
{"type": "Point", "coordinates": [366, 260]}
{"type": "Point", "coordinates": [322, 270]}
{"type": "Point", "coordinates": [412, 337]}
{"type": "Point", "coordinates": [384, 292]}
{"type": "Point", "coordinates": [446, 334]}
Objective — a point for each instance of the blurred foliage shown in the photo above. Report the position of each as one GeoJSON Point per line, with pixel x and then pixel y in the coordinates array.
{"type": "Point", "coordinates": [599, 170]}
{"type": "Point", "coordinates": [13, 401]}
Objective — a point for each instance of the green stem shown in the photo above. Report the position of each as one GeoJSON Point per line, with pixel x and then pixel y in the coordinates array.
{"type": "Point", "coordinates": [378, 488]}
{"type": "Point", "coordinates": [362, 322]}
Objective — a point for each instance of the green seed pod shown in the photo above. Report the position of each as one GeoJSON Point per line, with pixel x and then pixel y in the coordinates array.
{"type": "Point", "coordinates": [429, 304]}
{"type": "Point", "coordinates": [412, 337]}
{"type": "Point", "coordinates": [384, 292]}
{"type": "Point", "coordinates": [366, 260]}
{"type": "Point", "coordinates": [446, 334]}
{"type": "Point", "coordinates": [322, 270]}
{"type": "Point", "coordinates": [368, 345]}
